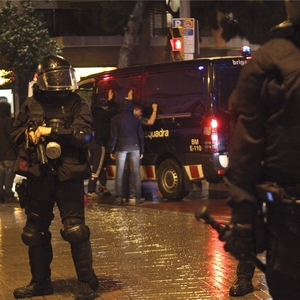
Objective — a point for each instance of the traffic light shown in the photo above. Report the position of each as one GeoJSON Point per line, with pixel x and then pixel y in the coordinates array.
{"type": "Point", "coordinates": [177, 43]}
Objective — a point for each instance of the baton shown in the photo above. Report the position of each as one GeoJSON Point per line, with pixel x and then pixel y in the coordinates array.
{"type": "Point", "coordinates": [203, 216]}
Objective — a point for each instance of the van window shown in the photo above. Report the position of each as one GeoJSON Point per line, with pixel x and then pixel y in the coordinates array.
{"type": "Point", "coordinates": [86, 91]}
{"type": "Point", "coordinates": [226, 79]}
{"type": "Point", "coordinates": [120, 87]}
{"type": "Point", "coordinates": [176, 92]}
{"type": "Point", "coordinates": [87, 94]}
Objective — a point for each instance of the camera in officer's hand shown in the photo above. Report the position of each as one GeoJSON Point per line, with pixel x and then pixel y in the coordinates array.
{"type": "Point", "coordinates": [53, 149]}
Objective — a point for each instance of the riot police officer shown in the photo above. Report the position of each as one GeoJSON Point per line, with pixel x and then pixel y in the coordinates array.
{"type": "Point", "coordinates": [53, 130]}
{"type": "Point", "coordinates": [264, 165]}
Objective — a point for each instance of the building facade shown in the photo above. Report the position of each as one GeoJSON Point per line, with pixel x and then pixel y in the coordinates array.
{"type": "Point", "coordinates": [76, 25]}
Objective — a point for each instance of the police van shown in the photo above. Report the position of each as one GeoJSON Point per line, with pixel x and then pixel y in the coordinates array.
{"type": "Point", "coordinates": [189, 141]}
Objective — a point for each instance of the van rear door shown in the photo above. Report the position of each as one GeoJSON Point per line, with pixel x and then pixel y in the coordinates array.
{"type": "Point", "coordinates": [225, 76]}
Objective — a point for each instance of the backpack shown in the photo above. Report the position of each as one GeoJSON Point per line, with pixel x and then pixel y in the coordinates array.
{"type": "Point", "coordinates": [283, 79]}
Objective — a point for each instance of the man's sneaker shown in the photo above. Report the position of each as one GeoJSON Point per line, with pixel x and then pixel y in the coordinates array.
{"type": "Point", "coordinates": [138, 201]}
{"type": "Point", "coordinates": [131, 201]}
{"type": "Point", "coordinates": [34, 289]}
{"type": "Point", "coordinates": [8, 195]}
{"type": "Point", "coordinates": [118, 201]}
{"type": "Point", "coordinates": [92, 196]}
{"type": "Point", "coordinates": [11, 199]}
{"type": "Point", "coordinates": [241, 287]}
{"type": "Point", "coordinates": [104, 190]}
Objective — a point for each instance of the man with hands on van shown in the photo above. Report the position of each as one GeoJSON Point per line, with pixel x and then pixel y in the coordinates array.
{"type": "Point", "coordinates": [128, 190]}
{"type": "Point", "coordinates": [126, 142]}
{"type": "Point", "coordinates": [138, 112]}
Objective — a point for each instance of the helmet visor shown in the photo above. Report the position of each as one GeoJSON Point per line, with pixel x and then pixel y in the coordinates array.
{"type": "Point", "coordinates": [58, 80]}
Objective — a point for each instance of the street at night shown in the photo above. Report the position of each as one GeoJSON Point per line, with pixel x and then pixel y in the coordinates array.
{"type": "Point", "coordinates": [155, 250]}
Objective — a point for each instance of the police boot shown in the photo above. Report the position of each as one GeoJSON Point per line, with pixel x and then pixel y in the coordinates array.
{"type": "Point", "coordinates": [34, 289]}
{"type": "Point", "coordinates": [243, 284]}
{"type": "Point", "coordinates": [40, 258]}
{"type": "Point", "coordinates": [86, 289]}
{"type": "Point", "coordinates": [88, 281]}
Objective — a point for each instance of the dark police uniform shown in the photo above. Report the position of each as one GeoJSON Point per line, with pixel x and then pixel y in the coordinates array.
{"type": "Point", "coordinates": [265, 146]}
{"type": "Point", "coordinates": [59, 180]}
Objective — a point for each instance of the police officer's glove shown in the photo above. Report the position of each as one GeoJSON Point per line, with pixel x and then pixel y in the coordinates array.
{"type": "Point", "coordinates": [240, 241]}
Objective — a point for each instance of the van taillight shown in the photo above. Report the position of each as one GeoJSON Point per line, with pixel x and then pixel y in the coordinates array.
{"type": "Point", "coordinates": [210, 135]}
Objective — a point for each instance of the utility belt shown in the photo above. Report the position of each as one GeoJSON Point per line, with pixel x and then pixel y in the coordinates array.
{"type": "Point", "coordinates": [275, 195]}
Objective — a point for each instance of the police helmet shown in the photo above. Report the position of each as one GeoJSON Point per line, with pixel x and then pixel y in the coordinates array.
{"type": "Point", "coordinates": [56, 74]}
{"type": "Point", "coordinates": [293, 11]}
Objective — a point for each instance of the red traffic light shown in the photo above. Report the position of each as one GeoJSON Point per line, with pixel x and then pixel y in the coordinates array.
{"type": "Point", "coordinates": [176, 44]}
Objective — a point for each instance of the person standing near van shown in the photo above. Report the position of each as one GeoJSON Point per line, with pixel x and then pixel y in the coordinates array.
{"type": "Point", "coordinates": [127, 183]}
{"type": "Point", "coordinates": [126, 142]}
{"type": "Point", "coordinates": [8, 154]}
{"type": "Point", "coordinates": [103, 110]}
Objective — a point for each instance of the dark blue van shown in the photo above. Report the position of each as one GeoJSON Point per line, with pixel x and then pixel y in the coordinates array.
{"type": "Point", "coordinates": [189, 141]}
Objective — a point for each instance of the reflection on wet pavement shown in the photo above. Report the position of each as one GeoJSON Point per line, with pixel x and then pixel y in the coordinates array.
{"type": "Point", "coordinates": [156, 250]}
{"type": "Point", "coordinates": [138, 254]}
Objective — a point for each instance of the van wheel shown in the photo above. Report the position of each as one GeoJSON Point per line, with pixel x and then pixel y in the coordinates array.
{"type": "Point", "coordinates": [170, 180]}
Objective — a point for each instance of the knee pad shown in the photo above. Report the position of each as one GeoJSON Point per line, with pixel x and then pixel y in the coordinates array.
{"type": "Point", "coordinates": [35, 233]}
{"type": "Point", "coordinates": [32, 239]}
{"type": "Point", "coordinates": [75, 233]}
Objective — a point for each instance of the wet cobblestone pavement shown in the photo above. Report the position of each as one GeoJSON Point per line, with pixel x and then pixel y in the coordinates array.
{"type": "Point", "coordinates": [150, 251]}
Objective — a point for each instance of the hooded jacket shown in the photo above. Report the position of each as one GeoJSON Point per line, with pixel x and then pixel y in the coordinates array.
{"type": "Point", "coordinates": [102, 119]}
{"type": "Point", "coordinates": [126, 132]}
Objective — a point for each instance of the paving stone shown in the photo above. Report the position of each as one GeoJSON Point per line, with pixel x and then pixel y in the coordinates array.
{"type": "Point", "coordinates": [139, 254]}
